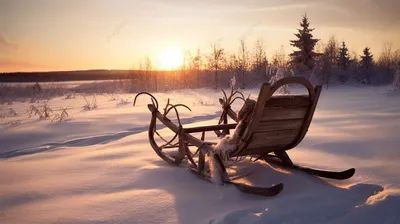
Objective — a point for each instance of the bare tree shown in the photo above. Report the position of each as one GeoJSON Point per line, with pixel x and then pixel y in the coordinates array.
{"type": "Point", "coordinates": [186, 68]}
{"type": "Point", "coordinates": [329, 58]}
{"type": "Point", "coordinates": [233, 63]}
{"type": "Point", "coordinates": [332, 50]}
{"type": "Point", "coordinates": [216, 60]}
{"type": "Point", "coordinates": [133, 78]}
{"type": "Point", "coordinates": [354, 59]}
{"type": "Point", "coordinates": [197, 63]}
{"type": "Point", "coordinates": [385, 60]}
{"type": "Point", "coordinates": [278, 62]}
{"type": "Point", "coordinates": [142, 82]}
{"type": "Point", "coordinates": [396, 58]}
{"type": "Point", "coordinates": [148, 73]}
{"type": "Point", "coordinates": [243, 61]}
{"type": "Point", "coordinates": [279, 58]}
{"type": "Point", "coordinates": [260, 62]}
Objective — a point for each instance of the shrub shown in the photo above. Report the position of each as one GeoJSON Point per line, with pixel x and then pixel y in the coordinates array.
{"type": "Point", "coordinates": [62, 117]}
{"type": "Point", "coordinates": [90, 104]}
{"type": "Point", "coordinates": [42, 111]}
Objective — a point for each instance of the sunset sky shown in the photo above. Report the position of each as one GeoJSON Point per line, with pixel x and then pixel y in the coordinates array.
{"type": "Point", "coordinates": [38, 35]}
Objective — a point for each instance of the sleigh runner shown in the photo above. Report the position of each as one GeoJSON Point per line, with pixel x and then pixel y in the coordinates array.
{"type": "Point", "coordinates": [274, 125]}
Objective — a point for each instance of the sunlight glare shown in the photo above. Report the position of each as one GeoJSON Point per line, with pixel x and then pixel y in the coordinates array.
{"type": "Point", "coordinates": [171, 59]}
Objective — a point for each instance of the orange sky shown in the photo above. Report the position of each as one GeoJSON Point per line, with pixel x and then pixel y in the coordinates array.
{"type": "Point", "coordinates": [39, 35]}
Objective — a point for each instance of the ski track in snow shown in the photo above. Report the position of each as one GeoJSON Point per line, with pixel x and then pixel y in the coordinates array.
{"type": "Point", "coordinates": [117, 178]}
{"type": "Point", "coordinates": [94, 140]}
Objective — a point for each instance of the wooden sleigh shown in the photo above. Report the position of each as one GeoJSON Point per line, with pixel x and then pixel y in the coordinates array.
{"type": "Point", "coordinates": [277, 124]}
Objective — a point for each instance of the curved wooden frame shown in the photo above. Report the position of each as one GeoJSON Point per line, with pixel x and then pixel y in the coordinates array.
{"type": "Point", "coordinates": [266, 92]}
{"type": "Point", "coordinates": [183, 133]}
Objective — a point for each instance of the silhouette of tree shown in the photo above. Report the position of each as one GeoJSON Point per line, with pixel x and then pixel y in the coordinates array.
{"type": "Point", "coordinates": [367, 58]}
{"type": "Point", "coordinates": [329, 59]}
{"type": "Point", "coordinates": [197, 63]}
{"type": "Point", "coordinates": [142, 75]}
{"type": "Point", "coordinates": [386, 63]}
{"type": "Point", "coordinates": [148, 73]}
{"type": "Point", "coordinates": [306, 44]}
{"type": "Point", "coordinates": [343, 60]}
{"type": "Point", "coordinates": [260, 61]}
{"type": "Point", "coordinates": [366, 62]}
{"type": "Point", "coordinates": [216, 60]}
{"type": "Point", "coordinates": [243, 57]}
{"type": "Point", "coordinates": [233, 64]}
{"type": "Point", "coordinates": [279, 58]}
{"type": "Point", "coordinates": [186, 68]}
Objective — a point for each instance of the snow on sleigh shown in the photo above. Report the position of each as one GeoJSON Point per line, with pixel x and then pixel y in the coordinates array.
{"type": "Point", "coordinates": [264, 130]}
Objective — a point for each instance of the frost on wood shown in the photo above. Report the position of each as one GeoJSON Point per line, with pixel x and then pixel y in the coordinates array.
{"type": "Point", "coordinates": [227, 144]}
{"type": "Point", "coordinates": [223, 148]}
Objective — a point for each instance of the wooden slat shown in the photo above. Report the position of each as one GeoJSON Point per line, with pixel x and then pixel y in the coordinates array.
{"type": "Point", "coordinates": [263, 96]}
{"type": "Point", "coordinates": [288, 101]}
{"type": "Point", "coordinates": [209, 128]}
{"type": "Point", "coordinates": [308, 117]}
{"type": "Point", "coordinates": [273, 138]}
{"type": "Point", "coordinates": [278, 109]}
{"type": "Point", "coordinates": [254, 151]}
{"type": "Point", "coordinates": [277, 125]}
{"type": "Point", "coordinates": [282, 113]}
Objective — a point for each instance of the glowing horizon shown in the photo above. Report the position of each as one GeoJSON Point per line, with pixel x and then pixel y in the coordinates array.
{"type": "Point", "coordinates": [48, 35]}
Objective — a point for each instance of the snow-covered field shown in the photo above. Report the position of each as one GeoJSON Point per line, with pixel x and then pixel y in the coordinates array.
{"type": "Point", "coordinates": [98, 166]}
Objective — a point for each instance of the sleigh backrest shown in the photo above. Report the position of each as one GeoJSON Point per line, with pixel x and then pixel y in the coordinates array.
{"type": "Point", "coordinates": [279, 122]}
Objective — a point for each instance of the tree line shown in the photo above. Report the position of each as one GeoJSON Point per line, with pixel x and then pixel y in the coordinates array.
{"type": "Point", "coordinates": [331, 63]}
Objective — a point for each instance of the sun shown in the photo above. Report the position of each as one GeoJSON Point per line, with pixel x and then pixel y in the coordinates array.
{"type": "Point", "coordinates": [171, 59]}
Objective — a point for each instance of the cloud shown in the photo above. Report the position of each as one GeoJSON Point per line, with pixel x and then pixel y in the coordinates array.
{"type": "Point", "coordinates": [228, 5]}
{"type": "Point", "coordinates": [17, 57]}
{"type": "Point", "coordinates": [14, 65]}
{"type": "Point", "coordinates": [5, 45]}
{"type": "Point", "coordinates": [369, 14]}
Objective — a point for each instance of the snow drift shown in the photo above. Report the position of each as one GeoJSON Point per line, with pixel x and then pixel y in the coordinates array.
{"type": "Point", "coordinates": [98, 167]}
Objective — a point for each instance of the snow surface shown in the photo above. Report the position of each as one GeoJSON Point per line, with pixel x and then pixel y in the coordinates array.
{"type": "Point", "coordinates": [98, 167]}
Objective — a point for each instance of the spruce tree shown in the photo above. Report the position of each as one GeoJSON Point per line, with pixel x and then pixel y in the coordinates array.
{"type": "Point", "coordinates": [367, 59]}
{"type": "Point", "coordinates": [306, 44]}
{"type": "Point", "coordinates": [343, 60]}
{"type": "Point", "coordinates": [366, 66]}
